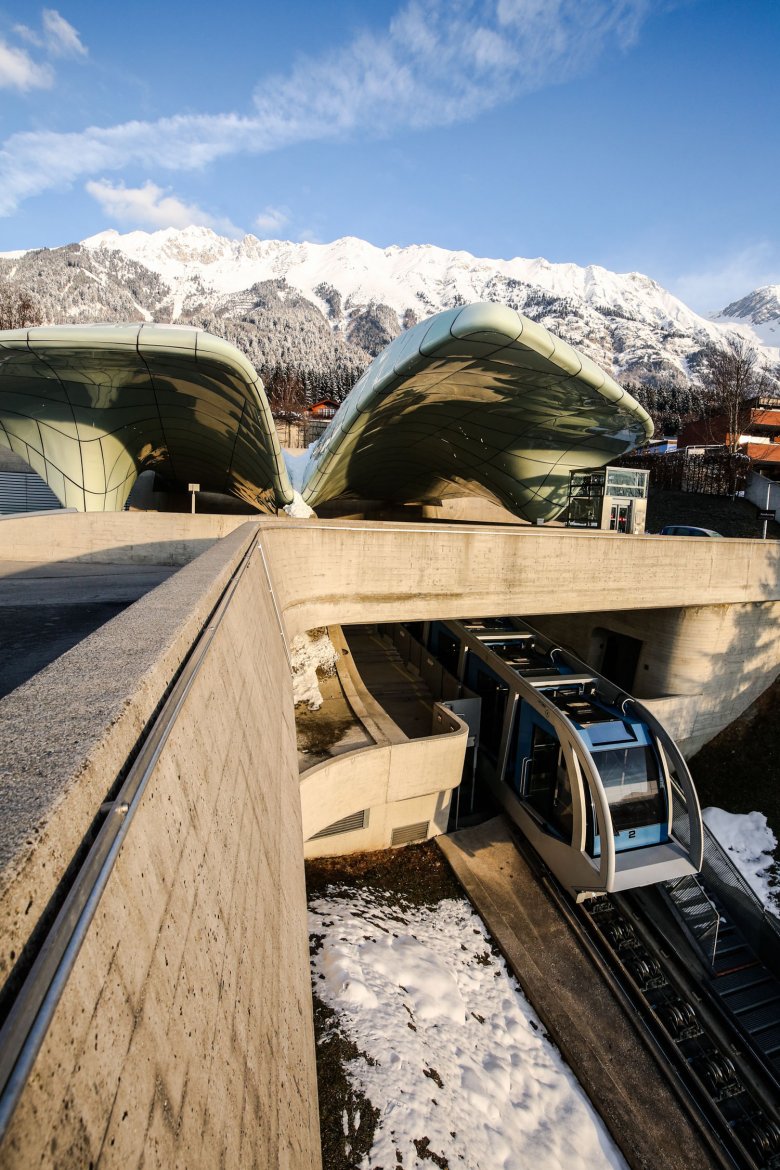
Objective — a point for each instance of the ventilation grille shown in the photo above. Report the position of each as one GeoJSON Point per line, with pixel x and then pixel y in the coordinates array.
{"type": "Point", "coordinates": [20, 492]}
{"type": "Point", "coordinates": [348, 824]}
{"type": "Point", "coordinates": [405, 834]}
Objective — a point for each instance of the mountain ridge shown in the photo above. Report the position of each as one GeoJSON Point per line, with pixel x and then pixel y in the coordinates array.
{"type": "Point", "coordinates": [320, 312]}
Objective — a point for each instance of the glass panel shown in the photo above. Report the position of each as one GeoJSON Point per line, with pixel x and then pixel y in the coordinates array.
{"type": "Point", "coordinates": [626, 484]}
{"type": "Point", "coordinates": [631, 779]}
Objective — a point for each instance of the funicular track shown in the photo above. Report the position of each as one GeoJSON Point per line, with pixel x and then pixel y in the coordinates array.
{"type": "Point", "coordinates": [730, 1092]}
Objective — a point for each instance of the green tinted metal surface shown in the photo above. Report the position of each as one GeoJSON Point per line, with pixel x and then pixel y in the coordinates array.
{"type": "Point", "coordinates": [90, 407]}
{"type": "Point", "coordinates": [475, 401]}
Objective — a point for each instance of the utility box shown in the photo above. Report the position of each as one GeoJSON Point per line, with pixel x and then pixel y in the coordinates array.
{"type": "Point", "coordinates": [613, 499]}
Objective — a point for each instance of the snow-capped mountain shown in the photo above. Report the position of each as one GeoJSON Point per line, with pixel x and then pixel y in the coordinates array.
{"type": "Point", "coordinates": [322, 310]}
{"type": "Point", "coordinates": [759, 312]}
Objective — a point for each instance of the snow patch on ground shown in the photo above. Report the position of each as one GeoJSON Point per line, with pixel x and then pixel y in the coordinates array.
{"type": "Point", "coordinates": [751, 843]}
{"type": "Point", "coordinates": [456, 1061]}
{"type": "Point", "coordinates": [311, 652]}
{"type": "Point", "coordinates": [298, 509]}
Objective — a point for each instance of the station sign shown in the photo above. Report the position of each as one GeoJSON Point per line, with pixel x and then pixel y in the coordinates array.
{"type": "Point", "coordinates": [770, 515]}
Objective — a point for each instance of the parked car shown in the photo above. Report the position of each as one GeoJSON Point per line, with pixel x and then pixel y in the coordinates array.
{"type": "Point", "coordinates": [686, 530]}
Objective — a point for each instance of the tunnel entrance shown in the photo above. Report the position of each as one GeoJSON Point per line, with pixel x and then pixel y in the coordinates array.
{"type": "Point", "coordinates": [620, 658]}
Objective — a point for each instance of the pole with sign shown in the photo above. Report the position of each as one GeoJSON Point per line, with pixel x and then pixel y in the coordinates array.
{"type": "Point", "coordinates": [193, 487]}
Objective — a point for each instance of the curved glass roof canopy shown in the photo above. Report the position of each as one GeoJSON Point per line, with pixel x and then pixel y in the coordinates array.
{"type": "Point", "coordinates": [90, 407]}
{"type": "Point", "coordinates": [475, 401]}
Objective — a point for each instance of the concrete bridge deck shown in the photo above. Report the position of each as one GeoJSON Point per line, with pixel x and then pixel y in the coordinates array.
{"type": "Point", "coordinates": [183, 1035]}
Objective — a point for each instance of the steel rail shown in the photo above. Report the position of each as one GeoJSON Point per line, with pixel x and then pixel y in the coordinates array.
{"type": "Point", "coordinates": [33, 1008]}
{"type": "Point", "coordinates": [616, 978]}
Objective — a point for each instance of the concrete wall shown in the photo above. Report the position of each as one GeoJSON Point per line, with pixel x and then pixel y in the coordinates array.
{"type": "Point", "coordinates": [336, 571]}
{"type": "Point", "coordinates": [158, 538]}
{"type": "Point", "coordinates": [398, 783]}
{"type": "Point", "coordinates": [698, 667]}
{"type": "Point", "coordinates": [184, 1035]}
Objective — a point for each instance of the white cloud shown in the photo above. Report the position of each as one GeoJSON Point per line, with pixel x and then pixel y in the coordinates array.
{"type": "Point", "coordinates": [60, 37]}
{"type": "Point", "coordinates": [151, 206]}
{"type": "Point", "coordinates": [19, 71]}
{"type": "Point", "coordinates": [727, 278]}
{"type": "Point", "coordinates": [437, 63]}
{"type": "Point", "coordinates": [272, 219]}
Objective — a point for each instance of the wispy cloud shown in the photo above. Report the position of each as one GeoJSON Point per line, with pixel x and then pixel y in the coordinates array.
{"type": "Point", "coordinates": [438, 62]}
{"type": "Point", "coordinates": [57, 38]}
{"type": "Point", "coordinates": [152, 206]}
{"type": "Point", "coordinates": [272, 219]}
{"type": "Point", "coordinates": [727, 279]}
{"type": "Point", "coordinates": [19, 71]}
{"type": "Point", "coordinates": [60, 37]}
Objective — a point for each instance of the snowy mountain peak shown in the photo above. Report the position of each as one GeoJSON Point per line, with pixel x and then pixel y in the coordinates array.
{"type": "Point", "coordinates": [343, 301]}
{"type": "Point", "coordinates": [420, 275]}
{"type": "Point", "coordinates": [758, 313]}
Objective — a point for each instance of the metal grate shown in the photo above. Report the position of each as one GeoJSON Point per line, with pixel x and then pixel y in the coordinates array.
{"type": "Point", "coordinates": [23, 492]}
{"type": "Point", "coordinates": [405, 834]}
{"type": "Point", "coordinates": [349, 824]}
{"type": "Point", "coordinates": [760, 927]}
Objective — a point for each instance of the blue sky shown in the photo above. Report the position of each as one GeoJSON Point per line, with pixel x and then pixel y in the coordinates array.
{"type": "Point", "coordinates": [636, 134]}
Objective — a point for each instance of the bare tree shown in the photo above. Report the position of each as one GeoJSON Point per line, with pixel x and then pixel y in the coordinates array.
{"type": "Point", "coordinates": [732, 377]}
{"type": "Point", "coordinates": [17, 308]}
{"type": "Point", "coordinates": [286, 392]}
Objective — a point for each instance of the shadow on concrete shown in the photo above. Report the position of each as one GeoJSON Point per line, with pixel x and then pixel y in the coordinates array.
{"type": "Point", "coordinates": [46, 610]}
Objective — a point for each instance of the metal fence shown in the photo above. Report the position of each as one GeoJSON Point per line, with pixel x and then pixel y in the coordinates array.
{"type": "Point", "coordinates": [711, 471]}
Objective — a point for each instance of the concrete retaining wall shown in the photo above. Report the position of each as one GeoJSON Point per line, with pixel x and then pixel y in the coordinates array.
{"type": "Point", "coordinates": [184, 1035]}
{"type": "Point", "coordinates": [699, 667]}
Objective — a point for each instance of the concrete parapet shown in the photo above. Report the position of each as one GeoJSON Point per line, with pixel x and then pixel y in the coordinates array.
{"type": "Point", "coordinates": [386, 775]}
{"type": "Point", "coordinates": [335, 571]}
{"type": "Point", "coordinates": [91, 706]}
{"type": "Point", "coordinates": [184, 1035]}
{"type": "Point", "coordinates": [157, 538]}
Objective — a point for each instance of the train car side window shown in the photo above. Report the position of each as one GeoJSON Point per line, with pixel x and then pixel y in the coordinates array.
{"type": "Point", "coordinates": [541, 772]}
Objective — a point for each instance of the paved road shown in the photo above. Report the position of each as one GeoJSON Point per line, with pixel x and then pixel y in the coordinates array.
{"type": "Point", "coordinates": [47, 609]}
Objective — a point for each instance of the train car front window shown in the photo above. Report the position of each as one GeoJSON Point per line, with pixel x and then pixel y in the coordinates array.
{"type": "Point", "coordinates": [631, 779]}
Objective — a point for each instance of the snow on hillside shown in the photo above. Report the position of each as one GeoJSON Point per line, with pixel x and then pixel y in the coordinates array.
{"type": "Point", "coordinates": [757, 316]}
{"type": "Point", "coordinates": [324, 310]}
{"type": "Point", "coordinates": [417, 276]}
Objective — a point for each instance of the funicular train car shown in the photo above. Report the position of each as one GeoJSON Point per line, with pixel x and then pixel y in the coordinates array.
{"type": "Point", "coordinates": [590, 776]}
